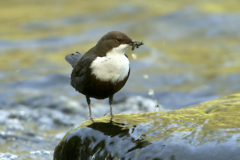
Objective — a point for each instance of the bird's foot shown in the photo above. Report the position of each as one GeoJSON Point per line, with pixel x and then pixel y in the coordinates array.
{"type": "Point", "coordinates": [112, 117]}
{"type": "Point", "coordinates": [91, 119]}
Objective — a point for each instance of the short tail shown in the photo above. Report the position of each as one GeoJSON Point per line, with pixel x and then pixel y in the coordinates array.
{"type": "Point", "coordinates": [73, 58]}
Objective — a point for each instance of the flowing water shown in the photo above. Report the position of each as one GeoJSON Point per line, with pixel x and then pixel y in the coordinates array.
{"type": "Point", "coordinates": [190, 54]}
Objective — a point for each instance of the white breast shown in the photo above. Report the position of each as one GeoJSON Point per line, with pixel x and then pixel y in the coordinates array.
{"type": "Point", "coordinates": [113, 67]}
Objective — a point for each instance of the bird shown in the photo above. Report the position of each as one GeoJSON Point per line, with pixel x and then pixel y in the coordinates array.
{"type": "Point", "coordinates": [104, 69]}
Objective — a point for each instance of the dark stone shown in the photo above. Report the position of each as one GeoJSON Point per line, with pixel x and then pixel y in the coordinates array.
{"type": "Point", "coordinates": [94, 143]}
{"type": "Point", "coordinates": [188, 133]}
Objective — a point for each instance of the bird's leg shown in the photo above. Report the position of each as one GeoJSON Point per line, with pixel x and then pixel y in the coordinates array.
{"type": "Point", "coordinates": [110, 102]}
{"type": "Point", "coordinates": [89, 107]}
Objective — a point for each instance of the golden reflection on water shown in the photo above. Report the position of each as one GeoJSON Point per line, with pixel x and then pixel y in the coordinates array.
{"type": "Point", "coordinates": [31, 23]}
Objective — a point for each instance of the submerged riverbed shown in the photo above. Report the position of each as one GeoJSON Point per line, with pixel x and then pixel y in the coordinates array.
{"type": "Point", "coordinates": [190, 55]}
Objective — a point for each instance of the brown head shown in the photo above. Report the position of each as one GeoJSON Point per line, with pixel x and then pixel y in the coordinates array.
{"type": "Point", "coordinates": [114, 39]}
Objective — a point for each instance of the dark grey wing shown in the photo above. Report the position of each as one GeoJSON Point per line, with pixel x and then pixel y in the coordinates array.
{"type": "Point", "coordinates": [81, 72]}
{"type": "Point", "coordinates": [73, 58]}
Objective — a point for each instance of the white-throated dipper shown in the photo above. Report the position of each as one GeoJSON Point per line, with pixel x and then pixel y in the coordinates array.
{"type": "Point", "coordinates": [104, 69]}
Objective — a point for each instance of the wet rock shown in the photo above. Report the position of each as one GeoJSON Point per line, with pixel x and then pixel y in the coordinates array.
{"type": "Point", "coordinates": [209, 130]}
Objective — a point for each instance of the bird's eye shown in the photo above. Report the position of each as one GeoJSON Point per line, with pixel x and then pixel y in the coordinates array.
{"type": "Point", "coordinates": [119, 39]}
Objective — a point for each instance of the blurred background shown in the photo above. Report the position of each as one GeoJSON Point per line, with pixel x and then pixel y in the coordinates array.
{"type": "Point", "coordinates": [191, 50]}
{"type": "Point", "coordinates": [190, 53]}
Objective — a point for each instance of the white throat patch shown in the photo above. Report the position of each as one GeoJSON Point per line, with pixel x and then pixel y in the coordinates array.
{"type": "Point", "coordinates": [113, 67]}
